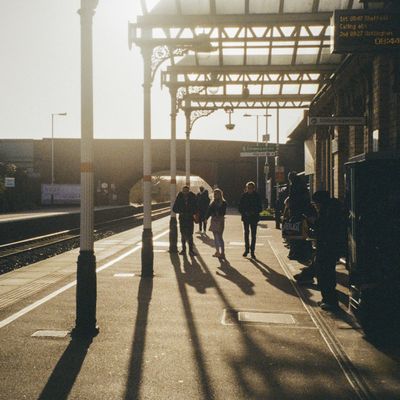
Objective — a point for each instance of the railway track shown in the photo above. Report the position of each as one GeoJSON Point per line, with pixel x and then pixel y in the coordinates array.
{"type": "Point", "coordinates": [24, 252]}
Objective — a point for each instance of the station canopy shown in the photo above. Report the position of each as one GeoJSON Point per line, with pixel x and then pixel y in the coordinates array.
{"type": "Point", "coordinates": [242, 53]}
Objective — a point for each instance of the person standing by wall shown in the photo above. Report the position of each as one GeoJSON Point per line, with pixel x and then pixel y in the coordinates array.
{"type": "Point", "coordinates": [330, 235]}
{"type": "Point", "coordinates": [298, 207]}
{"type": "Point", "coordinates": [250, 206]}
{"type": "Point", "coordinates": [203, 201]}
{"type": "Point", "coordinates": [186, 206]}
{"type": "Point", "coordinates": [216, 211]}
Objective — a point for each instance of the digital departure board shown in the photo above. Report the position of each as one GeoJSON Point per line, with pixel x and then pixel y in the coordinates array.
{"type": "Point", "coordinates": [356, 31]}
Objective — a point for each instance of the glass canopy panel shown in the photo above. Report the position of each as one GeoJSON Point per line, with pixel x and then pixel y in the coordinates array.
{"type": "Point", "coordinates": [234, 89]}
{"type": "Point", "coordinates": [330, 5]}
{"type": "Point", "coordinates": [328, 58]}
{"type": "Point", "coordinates": [264, 6]}
{"type": "Point", "coordinates": [206, 59]}
{"type": "Point", "coordinates": [272, 89]}
{"type": "Point", "coordinates": [280, 59]}
{"type": "Point", "coordinates": [195, 7]}
{"type": "Point", "coordinates": [309, 89]}
{"type": "Point", "coordinates": [162, 7]}
{"type": "Point", "coordinates": [230, 7]}
{"type": "Point", "coordinates": [255, 89]}
{"type": "Point", "coordinates": [257, 60]}
{"type": "Point", "coordinates": [297, 6]}
{"type": "Point", "coordinates": [290, 89]}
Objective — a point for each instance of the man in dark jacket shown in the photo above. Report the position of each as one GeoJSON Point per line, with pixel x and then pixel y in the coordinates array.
{"type": "Point", "coordinates": [330, 233]}
{"type": "Point", "coordinates": [185, 205]}
{"type": "Point", "coordinates": [250, 206]}
{"type": "Point", "coordinates": [203, 201]}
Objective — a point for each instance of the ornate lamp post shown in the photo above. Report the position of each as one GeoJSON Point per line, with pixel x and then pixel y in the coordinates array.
{"type": "Point", "coordinates": [86, 289]}
{"type": "Point", "coordinates": [153, 57]}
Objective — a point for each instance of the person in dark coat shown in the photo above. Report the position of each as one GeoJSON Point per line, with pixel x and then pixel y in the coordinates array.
{"type": "Point", "coordinates": [203, 201]}
{"type": "Point", "coordinates": [330, 235]}
{"type": "Point", "coordinates": [298, 206]}
{"type": "Point", "coordinates": [250, 206]}
{"type": "Point", "coordinates": [186, 205]}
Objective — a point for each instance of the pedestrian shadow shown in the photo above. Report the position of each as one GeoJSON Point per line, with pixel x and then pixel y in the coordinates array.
{"type": "Point", "coordinates": [139, 339]}
{"type": "Point", "coordinates": [258, 367]}
{"type": "Point", "coordinates": [66, 371]}
{"type": "Point", "coordinates": [204, 377]}
{"type": "Point", "coordinates": [194, 275]}
{"type": "Point", "coordinates": [232, 274]}
{"type": "Point", "coordinates": [273, 277]}
{"type": "Point", "coordinates": [207, 240]}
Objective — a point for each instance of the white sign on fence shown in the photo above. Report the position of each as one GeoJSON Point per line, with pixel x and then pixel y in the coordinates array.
{"type": "Point", "coordinates": [61, 194]}
{"type": "Point", "coordinates": [9, 182]}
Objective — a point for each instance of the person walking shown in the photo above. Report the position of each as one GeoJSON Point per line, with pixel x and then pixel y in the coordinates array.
{"type": "Point", "coordinates": [203, 201]}
{"type": "Point", "coordinates": [250, 206]}
{"type": "Point", "coordinates": [217, 211]}
{"type": "Point", "coordinates": [186, 206]}
{"type": "Point", "coordinates": [330, 235]}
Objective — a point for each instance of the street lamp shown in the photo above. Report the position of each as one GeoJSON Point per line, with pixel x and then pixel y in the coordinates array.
{"type": "Point", "coordinates": [52, 145]}
{"type": "Point", "coordinates": [266, 133]}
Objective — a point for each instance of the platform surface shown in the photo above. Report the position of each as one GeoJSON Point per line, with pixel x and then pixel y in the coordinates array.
{"type": "Point", "coordinates": [200, 329]}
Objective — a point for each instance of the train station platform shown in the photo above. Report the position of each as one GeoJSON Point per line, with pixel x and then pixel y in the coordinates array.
{"type": "Point", "coordinates": [200, 329]}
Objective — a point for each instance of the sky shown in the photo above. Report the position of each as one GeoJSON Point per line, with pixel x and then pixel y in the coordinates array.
{"type": "Point", "coordinates": [40, 75]}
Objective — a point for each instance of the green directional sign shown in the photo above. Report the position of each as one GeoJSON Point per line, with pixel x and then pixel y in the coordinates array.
{"type": "Point", "coordinates": [262, 148]}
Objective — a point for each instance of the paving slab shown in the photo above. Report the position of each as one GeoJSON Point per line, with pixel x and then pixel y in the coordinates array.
{"type": "Point", "coordinates": [200, 329]}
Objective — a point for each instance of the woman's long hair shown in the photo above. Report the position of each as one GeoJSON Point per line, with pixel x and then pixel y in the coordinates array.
{"type": "Point", "coordinates": [221, 193]}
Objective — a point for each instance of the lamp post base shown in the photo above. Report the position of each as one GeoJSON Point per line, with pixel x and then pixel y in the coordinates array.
{"type": "Point", "coordinates": [147, 253]}
{"type": "Point", "coordinates": [86, 296]}
{"type": "Point", "coordinates": [173, 235]}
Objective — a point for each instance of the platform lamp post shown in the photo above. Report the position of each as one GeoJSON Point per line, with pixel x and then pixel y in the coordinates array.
{"type": "Point", "coordinates": [266, 157]}
{"type": "Point", "coordinates": [257, 126]}
{"type": "Point", "coordinates": [86, 289]}
{"type": "Point", "coordinates": [277, 215]}
{"type": "Point", "coordinates": [173, 226]}
{"type": "Point", "coordinates": [153, 57]}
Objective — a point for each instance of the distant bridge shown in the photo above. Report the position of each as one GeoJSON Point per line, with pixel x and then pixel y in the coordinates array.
{"type": "Point", "coordinates": [119, 162]}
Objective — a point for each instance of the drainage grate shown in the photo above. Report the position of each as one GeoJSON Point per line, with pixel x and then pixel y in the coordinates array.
{"type": "Point", "coordinates": [51, 334]}
{"type": "Point", "coordinates": [266, 318]}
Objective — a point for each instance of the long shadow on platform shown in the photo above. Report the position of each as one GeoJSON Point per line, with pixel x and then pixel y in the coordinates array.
{"type": "Point", "coordinates": [207, 391]}
{"type": "Point", "coordinates": [195, 276]}
{"type": "Point", "coordinates": [232, 274]}
{"type": "Point", "coordinates": [274, 278]}
{"type": "Point", "coordinates": [139, 339]}
{"type": "Point", "coordinates": [206, 240]}
{"type": "Point", "coordinates": [259, 373]}
{"type": "Point", "coordinates": [66, 371]}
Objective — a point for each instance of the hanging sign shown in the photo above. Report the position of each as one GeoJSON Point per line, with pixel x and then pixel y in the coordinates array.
{"type": "Point", "coordinates": [357, 31]}
{"type": "Point", "coordinates": [261, 147]}
{"type": "Point", "coordinates": [336, 121]}
{"type": "Point", "coordinates": [258, 154]}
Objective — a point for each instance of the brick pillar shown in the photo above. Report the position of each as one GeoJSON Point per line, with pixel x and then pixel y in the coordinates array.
{"type": "Point", "coordinates": [381, 100]}
{"type": "Point", "coordinates": [341, 153]}
{"type": "Point", "coordinates": [318, 161]}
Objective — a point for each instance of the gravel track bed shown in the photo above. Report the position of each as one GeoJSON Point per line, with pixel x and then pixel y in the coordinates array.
{"type": "Point", "coordinates": [15, 262]}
